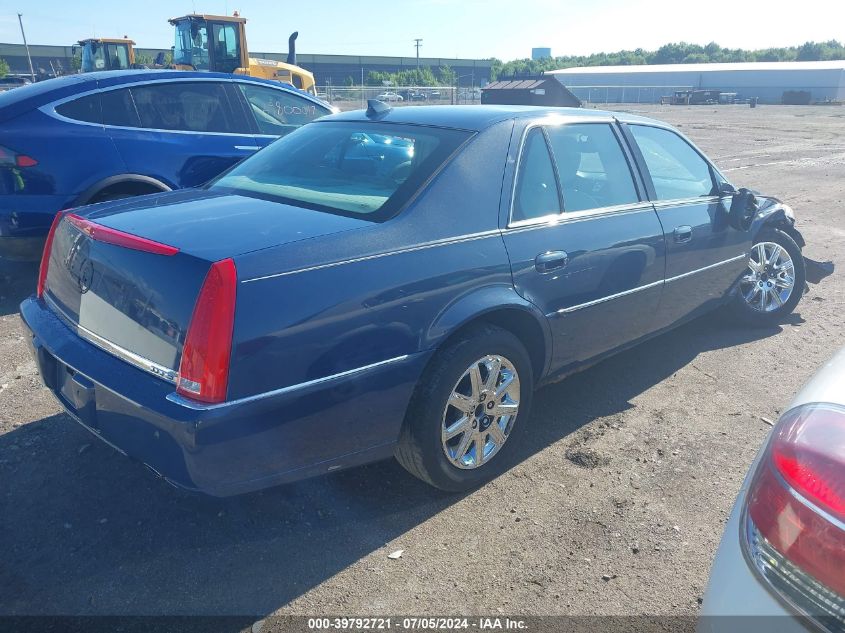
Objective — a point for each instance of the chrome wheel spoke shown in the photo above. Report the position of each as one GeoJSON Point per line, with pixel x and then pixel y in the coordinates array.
{"type": "Point", "coordinates": [506, 384]}
{"type": "Point", "coordinates": [480, 442]}
{"type": "Point", "coordinates": [463, 446]}
{"type": "Point", "coordinates": [773, 258]}
{"type": "Point", "coordinates": [475, 381]}
{"type": "Point", "coordinates": [775, 295]}
{"type": "Point", "coordinates": [461, 402]}
{"type": "Point", "coordinates": [496, 433]}
{"type": "Point", "coordinates": [462, 425]}
{"type": "Point", "coordinates": [784, 282]}
{"type": "Point", "coordinates": [494, 367]}
{"type": "Point", "coordinates": [504, 408]}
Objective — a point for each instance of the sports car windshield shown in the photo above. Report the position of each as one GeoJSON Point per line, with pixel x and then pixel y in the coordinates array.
{"type": "Point", "coordinates": [350, 168]}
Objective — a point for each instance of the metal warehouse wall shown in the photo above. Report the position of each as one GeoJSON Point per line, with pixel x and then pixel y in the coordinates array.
{"type": "Point", "coordinates": [825, 81]}
{"type": "Point", "coordinates": [327, 69]}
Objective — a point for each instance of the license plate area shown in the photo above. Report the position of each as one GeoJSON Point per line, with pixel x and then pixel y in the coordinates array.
{"type": "Point", "coordinates": [76, 391]}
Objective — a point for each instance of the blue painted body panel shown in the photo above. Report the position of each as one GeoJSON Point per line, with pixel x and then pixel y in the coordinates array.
{"type": "Point", "coordinates": [76, 159]}
{"type": "Point", "coordinates": [337, 317]}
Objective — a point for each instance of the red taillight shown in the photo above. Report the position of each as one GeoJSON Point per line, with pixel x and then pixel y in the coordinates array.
{"type": "Point", "coordinates": [10, 158]}
{"type": "Point", "coordinates": [108, 235]}
{"type": "Point", "coordinates": [204, 370]}
{"type": "Point", "coordinates": [797, 497]}
{"type": "Point", "coordinates": [45, 255]}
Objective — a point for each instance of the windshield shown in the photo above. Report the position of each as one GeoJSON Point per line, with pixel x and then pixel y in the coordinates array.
{"type": "Point", "coordinates": [191, 46]}
{"type": "Point", "coordinates": [350, 168]}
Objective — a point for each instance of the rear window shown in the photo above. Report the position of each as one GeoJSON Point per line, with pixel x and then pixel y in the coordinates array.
{"type": "Point", "coordinates": [350, 168]}
{"type": "Point", "coordinates": [82, 109]}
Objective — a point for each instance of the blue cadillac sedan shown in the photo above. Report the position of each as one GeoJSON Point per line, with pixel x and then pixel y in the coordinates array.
{"type": "Point", "coordinates": [391, 282]}
{"type": "Point", "coordinates": [101, 136]}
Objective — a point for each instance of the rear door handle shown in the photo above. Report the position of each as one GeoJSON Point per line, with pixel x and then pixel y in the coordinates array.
{"type": "Point", "coordinates": [550, 260]}
{"type": "Point", "coordinates": [683, 234]}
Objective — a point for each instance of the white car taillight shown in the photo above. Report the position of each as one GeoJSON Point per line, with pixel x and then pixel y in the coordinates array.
{"type": "Point", "coordinates": [795, 513]}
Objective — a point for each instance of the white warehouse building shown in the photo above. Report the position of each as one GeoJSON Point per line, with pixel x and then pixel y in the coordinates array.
{"type": "Point", "coordinates": [767, 81]}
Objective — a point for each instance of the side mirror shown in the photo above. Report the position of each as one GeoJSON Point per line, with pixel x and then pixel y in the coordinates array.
{"type": "Point", "coordinates": [726, 189]}
{"type": "Point", "coordinates": [743, 209]}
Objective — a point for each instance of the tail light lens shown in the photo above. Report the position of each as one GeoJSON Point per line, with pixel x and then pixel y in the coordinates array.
{"type": "Point", "coordinates": [119, 238]}
{"type": "Point", "coordinates": [795, 515]}
{"type": "Point", "coordinates": [9, 158]}
{"type": "Point", "coordinates": [45, 255]}
{"type": "Point", "coordinates": [204, 370]}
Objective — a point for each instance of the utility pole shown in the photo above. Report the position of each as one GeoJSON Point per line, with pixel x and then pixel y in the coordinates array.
{"type": "Point", "coordinates": [28, 56]}
{"type": "Point", "coordinates": [418, 43]}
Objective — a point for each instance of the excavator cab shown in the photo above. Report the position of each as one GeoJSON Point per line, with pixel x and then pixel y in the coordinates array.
{"type": "Point", "coordinates": [107, 54]}
{"type": "Point", "coordinates": [218, 43]}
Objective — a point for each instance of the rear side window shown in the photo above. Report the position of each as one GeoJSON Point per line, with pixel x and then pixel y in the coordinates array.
{"type": "Point", "coordinates": [676, 169]}
{"type": "Point", "coordinates": [279, 112]}
{"type": "Point", "coordinates": [190, 106]}
{"type": "Point", "coordinates": [83, 109]}
{"type": "Point", "coordinates": [119, 109]}
{"type": "Point", "coordinates": [536, 186]}
{"type": "Point", "coordinates": [591, 167]}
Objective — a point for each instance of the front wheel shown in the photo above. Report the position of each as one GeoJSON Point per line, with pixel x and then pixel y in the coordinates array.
{"type": "Point", "coordinates": [468, 411]}
{"type": "Point", "coordinates": [774, 281]}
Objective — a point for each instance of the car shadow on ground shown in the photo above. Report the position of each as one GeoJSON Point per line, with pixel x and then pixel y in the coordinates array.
{"type": "Point", "coordinates": [86, 531]}
{"type": "Point", "coordinates": [17, 282]}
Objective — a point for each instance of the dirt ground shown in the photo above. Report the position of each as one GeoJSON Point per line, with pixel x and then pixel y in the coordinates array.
{"type": "Point", "coordinates": [629, 472]}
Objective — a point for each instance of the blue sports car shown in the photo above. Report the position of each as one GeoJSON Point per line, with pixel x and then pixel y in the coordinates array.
{"type": "Point", "coordinates": [102, 136]}
{"type": "Point", "coordinates": [391, 282]}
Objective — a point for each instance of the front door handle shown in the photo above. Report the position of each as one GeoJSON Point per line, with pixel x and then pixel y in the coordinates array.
{"type": "Point", "coordinates": [683, 234]}
{"type": "Point", "coordinates": [550, 260]}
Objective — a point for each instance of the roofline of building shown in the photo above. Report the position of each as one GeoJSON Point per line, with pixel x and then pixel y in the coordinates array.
{"type": "Point", "coordinates": [701, 68]}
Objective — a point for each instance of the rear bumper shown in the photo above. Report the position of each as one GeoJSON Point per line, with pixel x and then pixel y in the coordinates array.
{"type": "Point", "coordinates": [291, 434]}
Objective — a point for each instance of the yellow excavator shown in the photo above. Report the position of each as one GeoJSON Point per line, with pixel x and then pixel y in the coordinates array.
{"type": "Point", "coordinates": [106, 54]}
{"type": "Point", "coordinates": [218, 43]}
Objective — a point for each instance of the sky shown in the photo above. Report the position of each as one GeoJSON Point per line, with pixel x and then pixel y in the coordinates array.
{"type": "Point", "coordinates": [506, 29]}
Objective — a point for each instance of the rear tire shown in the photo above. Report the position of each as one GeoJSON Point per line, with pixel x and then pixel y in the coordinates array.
{"type": "Point", "coordinates": [469, 411]}
{"type": "Point", "coordinates": [774, 281]}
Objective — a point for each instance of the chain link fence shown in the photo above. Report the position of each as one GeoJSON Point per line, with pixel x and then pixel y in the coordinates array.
{"type": "Point", "coordinates": [354, 98]}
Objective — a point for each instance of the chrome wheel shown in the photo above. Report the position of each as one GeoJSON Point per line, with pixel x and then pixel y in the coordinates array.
{"type": "Point", "coordinates": [771, 277]}
{"type": "Point", "coordinates": [481, 412]}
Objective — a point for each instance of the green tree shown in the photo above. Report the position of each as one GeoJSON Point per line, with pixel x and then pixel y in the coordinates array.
{"type": "Point", "coordinates": [448, 76]}
{"type": "Point", "coordinates": [4, 67]}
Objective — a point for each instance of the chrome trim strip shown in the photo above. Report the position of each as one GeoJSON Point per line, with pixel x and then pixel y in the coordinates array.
{"type": "Point", "coordinates": [469, 237]}
{"type": "Point", "coordinates": [624, 293]}
{"type": "Point", "coordinates": [700, 270]}
{"type": "Point", "coordinates": [251, 148]}
{"type": "Point", "coordinates": [200, 406]}
{"type": "Point", "coordinates": [607, 298]}
{"type": "Point", "coordinates": [683, 202]}
{"type": "Point", "coordinates": [554, 219]}
{"type": "Point", "coordinates": [136, 360]}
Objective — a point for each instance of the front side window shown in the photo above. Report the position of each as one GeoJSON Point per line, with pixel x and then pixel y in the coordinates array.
{"type": "Point", "coordinates": [279, 112]}
{"type": "Point", "coordinates": [536, 192]}
{"type": "Point", "coordinates": [200, 106]}
{"type": "Point", "coordinates": [93, 57]}
{"type": "Point", "coordinates": [356, 169]}
{"type": "Point", "coordinates": [191, 47]}
{"type": "Point", "coordinates": [677, 170]}
{"type": "Point", "coordinates": [591, 166]}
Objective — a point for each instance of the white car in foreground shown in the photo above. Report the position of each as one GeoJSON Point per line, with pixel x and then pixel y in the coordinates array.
{"type": "Point", "coordinates": [782, 556]}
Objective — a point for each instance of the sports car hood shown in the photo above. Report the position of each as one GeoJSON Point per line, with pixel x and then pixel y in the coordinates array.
{"type": "Point", "coordinates": [213, 225]}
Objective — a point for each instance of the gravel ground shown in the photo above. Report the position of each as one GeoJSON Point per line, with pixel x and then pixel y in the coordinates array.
{"type": "Point", "coordinates": [616, 507]}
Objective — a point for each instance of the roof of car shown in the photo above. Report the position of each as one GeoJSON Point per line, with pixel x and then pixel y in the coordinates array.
{"type": "Point", "coordinates": [478, 117]}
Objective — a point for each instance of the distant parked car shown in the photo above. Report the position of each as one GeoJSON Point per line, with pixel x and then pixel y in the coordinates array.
{"type": "Point", "coordinates": [390, 96]}
{"type": "Point", "coordinates": [781, 563]}
{"type": "Point", "coordinates": [392, 282]}
{"type": "Point", "coordinates": [8, 82]}
{"type": "Point", "coordinates": [100, 136]}
{"type": "Point", "coordinates": [434, 94]}
{"type": "Point", "coordinates": [416, 95]}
